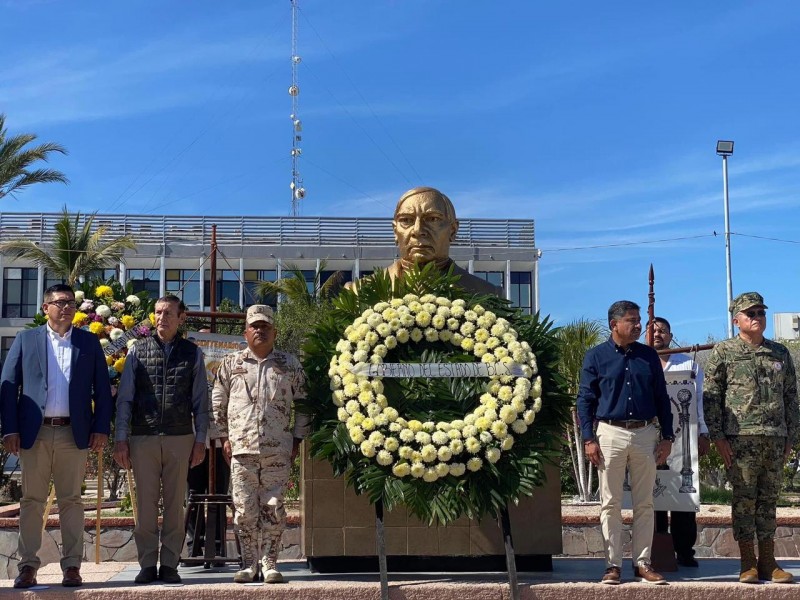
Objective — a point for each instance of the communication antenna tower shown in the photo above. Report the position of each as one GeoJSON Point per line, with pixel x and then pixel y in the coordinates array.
{"type": "Point", "coordinates": [298, 191]}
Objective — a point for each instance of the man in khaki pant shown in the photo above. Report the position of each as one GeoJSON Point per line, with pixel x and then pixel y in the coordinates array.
{"type": "Point", "coordinates": [162, 404]}
{"type": "Point", "coordinates": [623, 389]}
{"type": "Point", "coordinates": [56, 405]}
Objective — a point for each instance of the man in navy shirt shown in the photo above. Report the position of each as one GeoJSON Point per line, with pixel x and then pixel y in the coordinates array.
{"type": "Point", "coordinates": [623, 390]}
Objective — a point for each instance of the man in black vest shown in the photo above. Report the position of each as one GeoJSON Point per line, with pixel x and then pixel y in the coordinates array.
{"type": "Point", "coordinates": [162, 404]}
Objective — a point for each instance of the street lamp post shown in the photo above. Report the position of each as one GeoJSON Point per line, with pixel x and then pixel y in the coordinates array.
{"type": "Point", "coordinates": [725, 149]}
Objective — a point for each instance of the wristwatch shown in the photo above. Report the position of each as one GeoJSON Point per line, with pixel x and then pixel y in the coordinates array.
{"type": "Point", "coordinates": [671, 438]}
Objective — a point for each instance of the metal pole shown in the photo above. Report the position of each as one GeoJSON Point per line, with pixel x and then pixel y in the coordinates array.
{"type": "Point", "coordinates": [727, 244]}
{"type": "Point", "coordinates": [380, 539]}
{"type": "Point", "coordinates": [651, 307]}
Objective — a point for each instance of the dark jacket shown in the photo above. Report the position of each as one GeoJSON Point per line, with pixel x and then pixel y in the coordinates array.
{"type": "Point", "coordinates": [162, 404]}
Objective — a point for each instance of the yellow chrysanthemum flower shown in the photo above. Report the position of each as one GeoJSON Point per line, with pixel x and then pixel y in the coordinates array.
{"type": "Point", "coordinates": [79, 318]}
{"type": "Point", "coordinates": [103, 291]}
{"type": "Point", "coordinates": [119, 364]}
{"type": "Point", "coordinates": [109, 360]}
{"type": "Point", "coordinates": [97, 328]}
{"type": "Point", "coordinates": [152, 316]}
{"type": "Point", "coordinates": [128, 321]}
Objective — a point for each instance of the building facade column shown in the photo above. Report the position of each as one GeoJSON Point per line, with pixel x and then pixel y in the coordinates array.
{"type": "Point", "coordinates": [241, 282]}
{"type": "Point", "coordinates": [201, 274]}
{"type": "Point", "coordinates": [39, 286]}
{"type": "Point", "coordinates": [162, 275]}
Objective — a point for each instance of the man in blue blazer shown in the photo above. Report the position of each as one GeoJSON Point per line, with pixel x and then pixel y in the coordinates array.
{"type": "Point", "coordinates": [55, 405]}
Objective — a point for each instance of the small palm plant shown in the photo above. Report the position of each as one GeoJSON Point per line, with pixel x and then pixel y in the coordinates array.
{"type": "Point", "coordinates": [76, 251]}
{"type": "Point", "coordinates": [575, 339]}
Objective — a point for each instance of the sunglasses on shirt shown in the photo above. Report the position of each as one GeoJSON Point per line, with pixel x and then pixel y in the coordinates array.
{"type": "Point", "coordinates": [752, 314]}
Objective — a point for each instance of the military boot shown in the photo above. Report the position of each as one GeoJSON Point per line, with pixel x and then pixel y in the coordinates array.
{"type": "Point", "coordinates": [749, 572]}
{"type": "Point", "coordinates": [768, 568]}
{"type": "Point", "coordinates": [269, 563]}
{"type": "Point", "coordinates": [249, 571]}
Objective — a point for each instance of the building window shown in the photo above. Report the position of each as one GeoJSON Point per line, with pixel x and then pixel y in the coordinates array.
{"type": "Point", "coordinates": [50, 280]}
{"type": "Point", "coordinates": [185, 284]}
{"type": "Point", "coordinates": [252, 278]}
{"type": "Point", "coordinates": [19, 292]}
{"type": "Point", "coordinates": [521, 290]}
{"type": "Point", "coordinates": [5, 346]}
{"type": "Point", "coordinates": [227, 287]}
{"type": "Point", "coordinates": [494, 277]}
{"type": "Point", "coordinates": [102, 275]}
{"type": "Point", "coordinates": [145, 280]}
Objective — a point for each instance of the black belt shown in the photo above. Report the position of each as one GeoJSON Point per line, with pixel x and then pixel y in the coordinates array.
{"type": "Point", "coordinates": [56, 421]}
{"type": "Point", "coordinates": [627, 424]}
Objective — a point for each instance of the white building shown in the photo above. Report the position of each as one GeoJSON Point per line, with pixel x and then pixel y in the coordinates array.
{"type": "Point", "coordinates": [786, 326]}
{"type": "Point", "coordinates": [172, 252]}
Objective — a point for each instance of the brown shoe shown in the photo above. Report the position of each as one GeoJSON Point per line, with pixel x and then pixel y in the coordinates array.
{"type": "Point", "coordinates": [72, 577]}
{"type": "Point", "coordinates": [768, 568]}
{"type": "Point", "coordinates": [26, 578]}
{"type": "Point", "coordinates": [611, 576]}
{"type": "Point", "coordinates": [645, 573]}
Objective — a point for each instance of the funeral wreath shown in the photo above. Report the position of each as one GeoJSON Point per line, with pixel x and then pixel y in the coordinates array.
{"type": "Point", "coordinates": [428, 396]}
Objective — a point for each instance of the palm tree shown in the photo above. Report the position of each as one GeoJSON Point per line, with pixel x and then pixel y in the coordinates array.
{"type": "Point", "coordinates": [15, 161]}
{"type": "Point", "coordinates": [301, 305]}
{"type": "Point", "coordinates": [295, 287]}
{"type": "Point", "coordinates": [574, 340]}
{"type": "Point", "coordinates": [76, 250]}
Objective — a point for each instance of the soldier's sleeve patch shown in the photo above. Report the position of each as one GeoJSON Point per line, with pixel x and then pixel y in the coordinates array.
{"type": "Point", "coordinates": [777, 366]}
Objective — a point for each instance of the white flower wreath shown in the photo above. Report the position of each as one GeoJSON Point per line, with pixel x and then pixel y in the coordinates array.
{"type": "Point", "coordinates": [431, 450]}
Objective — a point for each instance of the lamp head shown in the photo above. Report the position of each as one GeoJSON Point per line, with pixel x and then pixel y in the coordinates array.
{"type": "Point", "coordinates": [724, 147]}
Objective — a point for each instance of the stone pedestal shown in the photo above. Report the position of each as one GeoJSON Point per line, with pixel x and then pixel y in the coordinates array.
{"type": "Point", "coordinates": [339, 531]}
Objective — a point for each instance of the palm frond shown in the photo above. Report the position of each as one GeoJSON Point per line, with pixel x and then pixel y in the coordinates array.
{"type": "Point", "coordinates": [16, 160]}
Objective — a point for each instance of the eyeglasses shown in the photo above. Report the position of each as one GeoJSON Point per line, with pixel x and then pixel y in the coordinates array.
{"type": "Point", "coordinates": [63, 304]}
{"type": "Point", "coordinates": [752, 314]}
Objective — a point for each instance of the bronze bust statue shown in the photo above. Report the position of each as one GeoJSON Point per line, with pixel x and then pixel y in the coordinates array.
{"type": "Point", "coordinates": [424, 226]}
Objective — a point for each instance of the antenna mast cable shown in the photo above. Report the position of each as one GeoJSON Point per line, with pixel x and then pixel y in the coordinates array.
{"type": "Point", "coordinates": [298, 191]}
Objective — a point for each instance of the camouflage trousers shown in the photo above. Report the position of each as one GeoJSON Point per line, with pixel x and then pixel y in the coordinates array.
{"type": "Point", "coordinates": [258, 481]}
{"type": "Point", "coordinates": [755, 474]}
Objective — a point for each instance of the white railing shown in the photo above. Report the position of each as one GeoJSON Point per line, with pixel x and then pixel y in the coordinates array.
{"type": "Point", "coordinates": [265, 231]}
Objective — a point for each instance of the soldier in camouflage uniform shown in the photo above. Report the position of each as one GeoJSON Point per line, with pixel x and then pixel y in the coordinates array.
{"type": "Point", "coordinates": [751, 410]}
{"type": "Point", "coordinates": [252, 406]}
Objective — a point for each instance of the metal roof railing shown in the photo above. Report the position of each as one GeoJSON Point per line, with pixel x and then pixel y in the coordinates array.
{"type": "Point", "coordinates": [266, 231]}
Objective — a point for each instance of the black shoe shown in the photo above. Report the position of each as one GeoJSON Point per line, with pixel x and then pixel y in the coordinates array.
{"type": "Point", "coordinates": [168, 574]}
{"type": "Point", "coordinates": [146, 575]}
{"type": "Point", "coordinates": [687, 561]}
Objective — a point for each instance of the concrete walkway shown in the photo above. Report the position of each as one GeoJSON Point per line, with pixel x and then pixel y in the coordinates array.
{"type": "Point", "coordinates": [571, 579]}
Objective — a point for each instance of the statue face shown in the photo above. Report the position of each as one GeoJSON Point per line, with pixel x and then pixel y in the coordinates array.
{"type": "Point", "coordinates": [422, 229]}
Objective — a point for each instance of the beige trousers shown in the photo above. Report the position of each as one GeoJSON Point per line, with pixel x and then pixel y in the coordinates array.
{"type": "Point", "coordinates": [160, 461]}
{"type": "Point", "coordinates": [55, 454]}
{"type": "Point", "coordinates": [634, 449]}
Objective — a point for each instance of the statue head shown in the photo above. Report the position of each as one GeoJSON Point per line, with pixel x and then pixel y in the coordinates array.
{"type": "Point", "coordinates": [424, 226]}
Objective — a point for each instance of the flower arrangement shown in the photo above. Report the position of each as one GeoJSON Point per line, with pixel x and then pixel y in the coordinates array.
{"type": "Point", "coordinates": [111, 313]}
{"type": "Point", "coordinates": [443, 446]}
{"type": "Point", "coordinates": [432, 450]}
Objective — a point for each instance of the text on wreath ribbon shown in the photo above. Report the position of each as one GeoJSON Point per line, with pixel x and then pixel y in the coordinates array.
{"type": "Point", "coordinates": [438, 370]}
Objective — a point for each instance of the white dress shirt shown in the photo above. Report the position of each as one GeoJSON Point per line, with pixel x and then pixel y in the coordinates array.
{"type": "Point", "coordinates": [59, 371]}
{"type": "Point", "coordinates": [684, 362]}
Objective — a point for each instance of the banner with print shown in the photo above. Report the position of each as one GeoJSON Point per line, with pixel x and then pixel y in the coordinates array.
{"type": "Point", "coordinates": [215, 346]}
{"type": "Point", "coordinates": [677, 485]}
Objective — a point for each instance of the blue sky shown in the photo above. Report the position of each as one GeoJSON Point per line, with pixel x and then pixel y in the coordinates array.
{"type": "Point", "coordinates": [598, 120]}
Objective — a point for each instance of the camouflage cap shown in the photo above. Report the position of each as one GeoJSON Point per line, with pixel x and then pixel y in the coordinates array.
{"type": "Point", "coordinates": [260, 312]}
{"type": "Point", "coordinates": [745, 301]}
